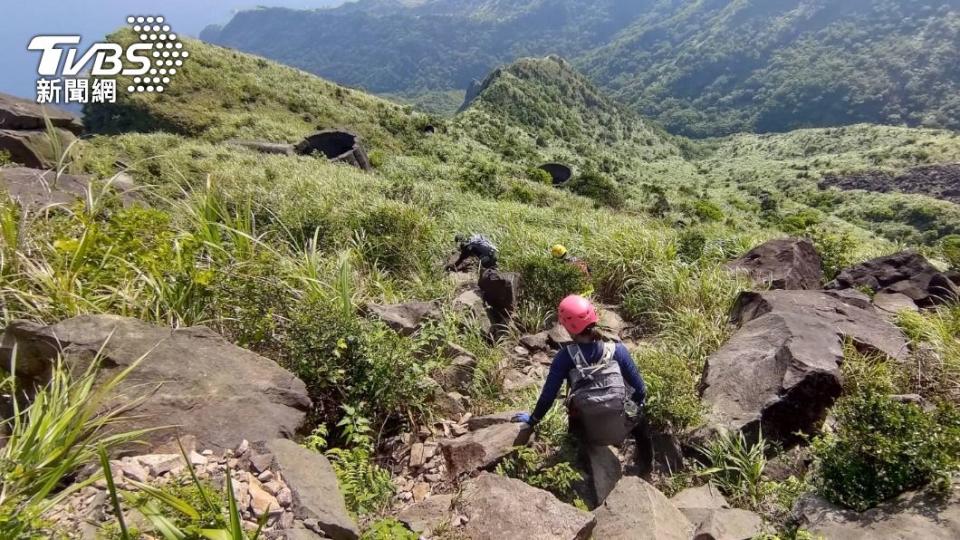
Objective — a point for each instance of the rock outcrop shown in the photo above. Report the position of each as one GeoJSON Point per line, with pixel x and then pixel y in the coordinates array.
{"type": "Point", "coordinates": [22, 114]}
{"type": "Point", "coordinates": [338, 146]}
{"type": "Point", "coordinates": [911, 516]}
{"type": "Point", "coordinates": [786, 263]}
{"type": "Point", "coordinates": [25, 136]}
{"type": "Point", "coordinates": [190, 378]}
{"type": "Point", "coordinates": [635, 510]}
{"type": "Point", "coordinates": [313, 484]}
{"type": "Point", "coordinates": [780, 371]}
{"type": "Point", "coordinates": [497, 508]}
{"type": "Point", "coordinates": [405, 318]}
{"type": "Point", "coordinates": [483, 448]}
{"type": "Point", "coordinates": [500, 291]}
{"type": "Point", "coordinates": [36, 188]}
{"type": "Point", "coordinates": [907, 273]}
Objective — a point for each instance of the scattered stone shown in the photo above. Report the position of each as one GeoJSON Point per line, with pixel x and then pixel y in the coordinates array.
{"type": "Point", "coordinates": [712, 516]}
{"type": "Point", "coordinates": [265, 476]}
{"type": "Point", "coordinates": [420, 491]}
{"type": "Point", "coordinates": [160, 464]}
{"type": "Point", "coordinates": [521, 351]}
{"type": "Point", "coordinates": [458, 376]}
{"type": "Point", "coordinates": [907, 273]}
{"type": "Point", "coordinates": [261, 502]}
{"type": "Point", "coordinates": [242, 448]}
{"type": "Point", "coordinates": [429, 515]}
{"type": "Point", "coordinates": [483, 448]}
{"type": "Point", "coordinates": [635, 510]}
{"type": "Point", "coordinates": [133, 470]}
{"type": "Point", "coordinates": [417, 458]}
{"type": "Point", "coordinates": [781, 371]}
{"type": "Point", "coordinates": [35, 148]}
{"type": "Point", "coordinates": [894, 302]}
{"type": "Point", "coordinates": [271, 401]}
{"type": "Point", "coordinates": [923, 514]}
{"type": "Point", "coordinates": [406, 318]}
{"type": "Point", "coordinates": [260, 463]}
{"type": "Point", "coordinates": [515, 380]}
{"type": "Point", "coordinates": [197, 460]}
{"type": "Point", "coordinates": [285, 497]}
{"type": "Point", "coordinates": [497, 508]}
{"type": "Point", "coordinates": [785, 263]}
{"type": "Point", "coordinates": [536, 342]}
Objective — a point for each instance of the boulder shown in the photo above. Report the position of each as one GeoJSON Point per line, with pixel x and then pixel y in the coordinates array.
{"type": "Point", "coordinates": [498, 508]}
{"type": "Point", "coordinates": [316, 493]}
{"type": "Point", "coordinates": [35, 148]}
{"type": "Point", "coordinates": [37, 188]}
{"type": "Point", "coordinates": [338, 146]}
{"type": "Point", "coordinates": [190, 378]}
{"type": "Point", "coordinates": [907, 273]}
{"type": "Point", "coordinates": [635, 510]}
{"type": "Point", "coordinates": [479, 422]}
{"type": "Point", "coordinates": [914, 515]}
{"type": "Point", "coordinates": [780, 371]}
{"type": "Point", "coordinates": [18, 113]}
{"type": "Point", "coordinates": [458, 375]}
{"type": "Point", "coordinates": [705, 496]}
{"type": "Point", "coordinates": [894, 303]}
{"type": "Point", "coordinates": [405, 318]}
{"type": "Point", "coordinates": [612, 325]}
{"type": "Point", "coordinates": [785, 263]}
{"type": "Point", "coordinates": [713, 518]}
{"type": "Point", "coordinates": [483, 448]}
{"type": "Point", "coordinates": [429, 515]}
{"type": "Point", "coordinates": [500, 290]}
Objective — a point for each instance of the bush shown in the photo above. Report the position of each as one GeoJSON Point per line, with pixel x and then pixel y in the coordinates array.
{"type": "Point", "coordinates": [483, 177]}
{"type": "Point", "coordinates": [395, 237]}
{"type": "Point", "coordinates": [389, 529]}
{"type": "Point", "coordinates": [595, 186]}
{"type": "Point", "coordinates": [707, 210]}
{"type": "Point", "coordinates": [546, 281]}
{"type": "Point", "coordinates": [882, 448]}
{"type": "Point", "coordinates": [534, 468]}
{"type": "Point", "coordinates": [950, 247]}
{"type": "Point", "coordinates": [800, 221]}
{"type": "Point", "coordinates": [540, 176]}
{"type": "Point", "coordinates": [366, 487]}
{"type": "Point", "coordinates": [837, 249]}
{"type": "Point", "coordinates": [672, 398]}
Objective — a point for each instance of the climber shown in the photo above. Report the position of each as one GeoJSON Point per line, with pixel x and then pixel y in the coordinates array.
{"type": "Point", "coordinates": [478, 246]}
{"type": "Point", "coordinates": [596, 372]}
{"type": "Point", "coordinates": [561, 253]}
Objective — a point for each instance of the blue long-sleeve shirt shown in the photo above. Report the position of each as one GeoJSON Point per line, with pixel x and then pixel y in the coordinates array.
{"type": "Point", "coordinates": [593, 352]}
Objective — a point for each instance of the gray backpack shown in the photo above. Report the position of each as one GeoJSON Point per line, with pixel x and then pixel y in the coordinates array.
{"type": "Point", "coordinates": [598, 397]}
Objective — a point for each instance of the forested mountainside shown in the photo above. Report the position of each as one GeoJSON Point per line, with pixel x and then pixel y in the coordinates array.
{"type": "Point", "coordinates": [701, 68]}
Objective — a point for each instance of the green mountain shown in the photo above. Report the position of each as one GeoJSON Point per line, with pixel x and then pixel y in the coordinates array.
{"type": "Point", "coordinates": [700, 68]}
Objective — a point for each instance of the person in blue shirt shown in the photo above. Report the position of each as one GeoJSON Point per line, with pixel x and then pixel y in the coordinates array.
{"type": "Point", "coordinates": [580, 319]}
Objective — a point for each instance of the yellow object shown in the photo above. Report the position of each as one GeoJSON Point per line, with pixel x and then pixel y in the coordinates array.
{"type": "Point", "coordinates": [558, 251]}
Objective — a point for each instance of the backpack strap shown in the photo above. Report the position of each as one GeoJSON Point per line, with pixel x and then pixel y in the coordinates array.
{"type": "Point", "coordinates": [586, 369]}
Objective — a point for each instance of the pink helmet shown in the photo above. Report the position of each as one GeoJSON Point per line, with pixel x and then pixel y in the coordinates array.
{"type": "Point", "coordinates": [576, 313]}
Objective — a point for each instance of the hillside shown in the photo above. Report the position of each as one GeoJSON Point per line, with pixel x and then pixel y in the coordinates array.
{"type": "Point", "coordinates": [328, 377]}
{"type": "Point", "coordinates": [685, 64]}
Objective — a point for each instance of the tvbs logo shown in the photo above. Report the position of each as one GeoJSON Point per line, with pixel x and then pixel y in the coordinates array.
{"type": "Point", "coordinates": [69, 76]}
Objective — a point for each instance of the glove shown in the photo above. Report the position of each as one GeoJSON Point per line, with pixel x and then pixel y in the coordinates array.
{"type": "Point", "coordinates": [523, 417]}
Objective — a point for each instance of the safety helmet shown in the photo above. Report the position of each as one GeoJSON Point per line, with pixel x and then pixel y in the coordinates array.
{"type": "Point", "coordinates": [576, 314]}
{"type": "Point", "coordinates": [558, 251]}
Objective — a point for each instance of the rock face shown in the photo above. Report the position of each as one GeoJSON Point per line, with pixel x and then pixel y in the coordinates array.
{"type": "Point", "coordinates": [907, 273]}
{"type": "Point", "coordinates": [786, 263]}
{"type": "Point", "coordinates": [498, 508]}
{"type": "Point", "coordinates": [405, 318]}
{"type": "Point", "coordinates": [780, 371]}
{"type": "Point", "coordinates": [35, 148]}
{"type": "Point", "coordinates": [911, 516]}
{"type": "Point", "coordinates": [483, 448]}
{"type": "Point", "coordinates": [500, 290]}
{"type": "Point", "coordinates": [208, 387]}
{"type": "Point", "coordinates": [605, 470]}
{"type": "Point", "coordinates": [635, 510]}
{"type": "Point", "coordinates": [20, 114]}
{"type": "Point", "coordinates": [713, 518]}
{"type": "Point", "coordinates": [316, 493]}
{"type": "Point", "coordinates": [337, 146]}
{"type": "Point", "coordinates": [37, 188]}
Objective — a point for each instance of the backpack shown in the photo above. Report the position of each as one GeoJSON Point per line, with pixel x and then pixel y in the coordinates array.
{"type": "Point", "coordinates": [481, 241]}
{"type": "Point", "coordinates": [598, 397]}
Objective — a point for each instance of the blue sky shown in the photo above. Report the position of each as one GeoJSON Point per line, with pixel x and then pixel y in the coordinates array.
{"type": "Point", "coordinates": [20, 20]}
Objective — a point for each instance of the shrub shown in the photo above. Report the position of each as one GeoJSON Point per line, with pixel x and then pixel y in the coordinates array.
{"type": "Point", "coordinates": [540, 176]}
{"type": "Point", "coordinates": [395, 237]}
{"type": "Point", "coordinates": [601, 189]}
{"type": "Point", "coordinates": [736, 467]}
{"type": "Point", "coordinates": [950, 247]}
{"type": "Point", "coordinates": [389, 529]}
{"type": "Point", "coordinates": [707, 210]}
{"type": "Point", "coordinates": [882, 448]}
{"type": "Point", "coordinates": [546, 281]}
{"type": "Point", "coordinates": [533, 467]}
{"type": "Point", "coordinates": [366, 487]}
{"type": "Point", "coordinates": [837, 249]}
{"type": "Point", "coordinates": [672, 398]}
{"type": "Point", "coordinates": [483, 177]}
{"type": "Point", "coordinates": [800, 221]}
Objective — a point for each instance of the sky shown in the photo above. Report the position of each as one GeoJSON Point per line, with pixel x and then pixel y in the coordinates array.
{"type": "Point", "coordinates": [20, 20]}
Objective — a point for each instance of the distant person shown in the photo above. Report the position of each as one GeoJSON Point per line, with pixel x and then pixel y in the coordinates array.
{"type": "Point", "coordinates": [601, 377]}
{"type": "Point", "coordinates": [561, 253]}
{"type": "Point", "coordinates": [478, 246]}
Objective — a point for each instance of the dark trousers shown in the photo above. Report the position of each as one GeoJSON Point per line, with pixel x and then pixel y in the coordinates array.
{"type": "Point", "coordinates": [643, 463]}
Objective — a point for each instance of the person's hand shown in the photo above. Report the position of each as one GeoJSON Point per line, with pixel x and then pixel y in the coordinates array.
{"type": "Point", "coordinates": [522, 417]}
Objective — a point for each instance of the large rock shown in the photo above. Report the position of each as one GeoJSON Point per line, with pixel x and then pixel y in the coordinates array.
{"type": "Point", "coordinates": [907, 273]}
{"type": "Point", "coordinates": [780, 371]}
{"type": "Point", "coordinates": [458, 375]}
{"type": "Point", "coordinates": [479, 422]}
{"type": "Point", "coordinates": [785, 263]}
{"type": "Point", "coordinates": [428, 515]}
{"type": "Point", "coordinates": [35, 148]}
{"type": "Point", "coordinates": [18, 113]}
{"type": "Point", "coordinates": [405, 318]}
{"type": "Point", "coordinates": [713, 518]}
{"type": "Point", "coordinates": [316, 493]}
{"type": "Point", "coordinates": [912, 516]}
{"type": "Point", "coordinates": [484, 447]}
{"type": "Point", "coordinates": [190, 378]}
{"type": "Point", "coordinates": [635, 510]}
{"type": "Point", "coordinates": [36, 188]}
{"type": "Point", "coordinates": [498, 508]}
{"type": "Point", "coordinates": [500, 290]}
{"type": "Point", "coordinates": [605, 470]}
